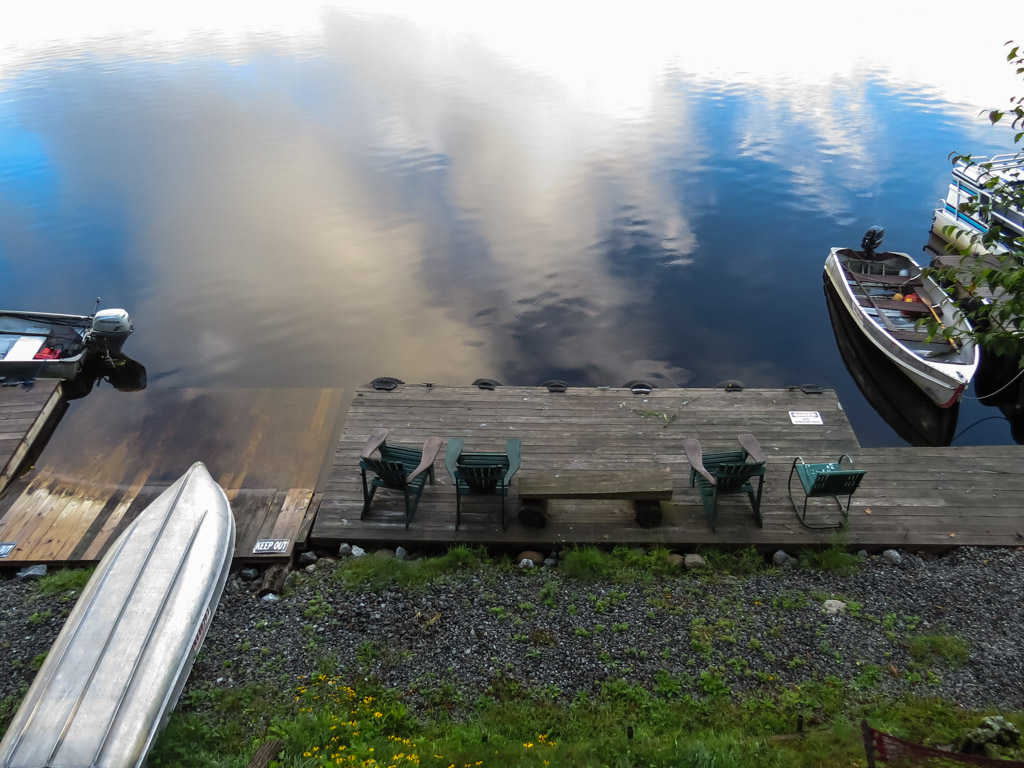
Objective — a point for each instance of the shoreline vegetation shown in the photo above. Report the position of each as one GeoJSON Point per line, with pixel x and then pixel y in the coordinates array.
{"type": "Point", "coordinates": [613, 657]}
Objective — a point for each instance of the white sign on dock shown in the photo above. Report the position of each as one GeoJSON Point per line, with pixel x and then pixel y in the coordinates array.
{"type": "Point", "coordinates": [805, 417]}
{"type": "Point", "coordinates": [271, 546]}
{"type": "Point", "coordinates": [6, 547]}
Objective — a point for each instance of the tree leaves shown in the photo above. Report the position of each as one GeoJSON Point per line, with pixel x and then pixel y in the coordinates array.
{"type": "Point", "coordinates": [996, 321]}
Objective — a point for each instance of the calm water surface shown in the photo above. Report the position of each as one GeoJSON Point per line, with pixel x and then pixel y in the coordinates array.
{"type": "Point", "coordinates": [319, 196]}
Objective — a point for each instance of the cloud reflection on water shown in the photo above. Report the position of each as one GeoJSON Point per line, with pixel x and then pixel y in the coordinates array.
{"type": "Point", "coordinates": [331, 193]}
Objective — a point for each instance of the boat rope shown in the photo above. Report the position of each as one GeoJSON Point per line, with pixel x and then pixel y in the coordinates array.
{"type": "Point", "coordinates": [990, 394]}
{"type": "Point", "coordinates": [971, 426]}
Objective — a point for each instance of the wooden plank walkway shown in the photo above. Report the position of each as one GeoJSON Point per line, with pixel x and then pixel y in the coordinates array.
{"type": "Point", "coordinates": [117, 451]}
{"type": "Point", "coordinates": [911, 497]}
{"type": "Point", "coordinates": [26, 419]}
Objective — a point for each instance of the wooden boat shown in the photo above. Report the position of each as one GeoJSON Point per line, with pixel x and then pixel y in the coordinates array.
{"type": "Point", "coordinates": [44, 345]}
{"type": "Point", "coordinates": [119, 664]}
{"type": "Point", "coordinates": [886, 294]}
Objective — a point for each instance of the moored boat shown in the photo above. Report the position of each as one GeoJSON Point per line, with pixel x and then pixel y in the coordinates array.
{"type": "Point", "coordinates": [969, 182]}
{"type": "Point", "coordinates": [894, 397]}
{"type": "Point", "coordinates": [886, 295]}
{"type": "Point", "coordinates": [119, 664]}
{"type": "Point", "coordinates": [46, 345]}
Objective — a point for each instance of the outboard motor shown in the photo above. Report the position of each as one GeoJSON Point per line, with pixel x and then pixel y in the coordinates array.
{"type": "Point", "coordinates": [110, 329]}
{"type": "Point", "coordinates": [872, 241]}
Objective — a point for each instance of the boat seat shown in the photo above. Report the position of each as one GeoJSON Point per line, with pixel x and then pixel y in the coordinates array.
{"type": "Point", "coordinates": [25, 348]}
{"type": "Point", "coordinates": [897, 280]}
{"type": "Point", "coordinates": [919, 337]}
{"type": "Point", "coordinates": [910, 307]}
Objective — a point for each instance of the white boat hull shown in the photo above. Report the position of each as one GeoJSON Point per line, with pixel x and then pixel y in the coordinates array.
{"type": "Point", "coordinates": [943, 381]}
{"type": "Point", "coordinates": [970, 184]}
{"type": "Point", "coordinates": [119, 664]}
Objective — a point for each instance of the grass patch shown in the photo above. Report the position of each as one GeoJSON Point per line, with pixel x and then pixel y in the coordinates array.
{"type": "Point", "coordinates": [622, 564]}
{"type": "Point", "coordinates": [221, 728]}
{"type": "Point", "coordinates": [327, 721]}
{"type": "Point", "coordinates": [738, 562]}
{"type": "Point", "coordinates": [379, 573]}
{"type": "Point", "coordinates": [66, 580]}
{"type": "Point", "coordinates": [931, 649]}
{"type": "Point", "coordinates": [835, 558]}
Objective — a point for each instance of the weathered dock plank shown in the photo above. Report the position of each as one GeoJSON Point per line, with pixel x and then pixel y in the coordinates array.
{"type": "Point", "coordinates": [266, 448]}
{"type": "Point", "coordinates": [911, 497]}
{"type": "Point", "coordinates": [26, 418]}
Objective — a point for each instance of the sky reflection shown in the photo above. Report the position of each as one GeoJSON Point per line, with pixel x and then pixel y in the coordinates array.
{"type": "Point", "coordinates": [330, 192]}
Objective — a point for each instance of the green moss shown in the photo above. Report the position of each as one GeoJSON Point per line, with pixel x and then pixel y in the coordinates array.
{"type": "Point", "coordinates": [66, 580]}
{"type": "Point", "coordinates": [932, 649]}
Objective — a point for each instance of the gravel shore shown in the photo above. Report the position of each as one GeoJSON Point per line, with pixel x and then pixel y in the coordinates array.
{"type": "Point", "coordinates": [695, 632]}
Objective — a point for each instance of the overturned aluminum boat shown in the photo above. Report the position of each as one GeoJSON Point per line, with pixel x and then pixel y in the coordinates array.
{"type": "Point", "coordinates": [44, 345]}
{"type": "Point", "coordinates": [886, 294]}
{"type": "Point", "coordinates": [119, 664]}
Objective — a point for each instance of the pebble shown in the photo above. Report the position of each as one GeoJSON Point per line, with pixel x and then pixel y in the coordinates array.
{"type": "Point", "coordinates": [783, 559]}
{"type": "Point", "coordinates": [892, 556]}
{"type": "Point", "coordinates": [535, 558]}
{"type": "Point", "coordinates": [692, 562]}
{"type": "Point", "coordinates": [834, 607]}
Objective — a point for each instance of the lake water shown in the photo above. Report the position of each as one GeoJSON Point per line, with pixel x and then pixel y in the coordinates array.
{"type": "Point", "coordinates": [317, 196]}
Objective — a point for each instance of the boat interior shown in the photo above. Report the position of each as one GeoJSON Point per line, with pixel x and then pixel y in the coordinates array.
{"type": "Point", "coordinates": [23, 337]}
{"type": "Point", "coordinates": [889, 288]}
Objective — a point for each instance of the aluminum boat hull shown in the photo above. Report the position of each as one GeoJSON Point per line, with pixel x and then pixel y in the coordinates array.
{"type": "Point", "coordinates": [119, 664]}
{"type": "Point", "coordinates": [942, 378]}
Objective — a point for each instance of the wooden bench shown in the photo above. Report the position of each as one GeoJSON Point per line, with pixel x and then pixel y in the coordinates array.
{"type": "Point", "coordinates": [644, 487]}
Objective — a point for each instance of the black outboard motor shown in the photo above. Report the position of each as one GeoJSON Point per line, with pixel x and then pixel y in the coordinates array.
{"type": "Point", "coordinates": [872, 240]}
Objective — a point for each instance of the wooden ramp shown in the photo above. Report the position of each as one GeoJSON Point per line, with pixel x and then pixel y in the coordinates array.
{"type": "Point", "coordinates": [26, 419]}
{"type": "Point", "coordinates": [116, 451]}
{"type": "Point", "coordinates": [928, 497]}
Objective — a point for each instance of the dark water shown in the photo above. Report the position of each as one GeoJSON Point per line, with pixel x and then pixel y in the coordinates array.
{"type": "Point", "coordinates": [380, 194]}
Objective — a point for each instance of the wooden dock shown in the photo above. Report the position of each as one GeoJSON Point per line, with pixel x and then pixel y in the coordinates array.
{"type": "Point", "coordinates": [26, 418]}
{"type": "Point", "coordinates": [911, 497]}
{"type": "Point", "coordinates": [116, 451]}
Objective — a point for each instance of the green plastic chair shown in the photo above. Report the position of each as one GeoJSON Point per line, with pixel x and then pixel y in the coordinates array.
{"type": "Point", "coordinates": [827, 479]}
{"type": "Point", "coordinates": [721, 473]}
{"type": "Point", "coordinates": [400, 469]}
{"type": "Point", "coordinates": [482, 473]}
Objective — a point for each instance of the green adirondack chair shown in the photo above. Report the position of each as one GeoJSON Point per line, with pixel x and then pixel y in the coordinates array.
{"type": "Point", "coordinates": [400, 469]}
{"type": "Point", "coordinates": [827, 479]}
{"type": "Point", "coordinates": [482, 473]}
{"type": "Point", "coordinates": [720, 473]}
